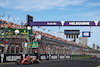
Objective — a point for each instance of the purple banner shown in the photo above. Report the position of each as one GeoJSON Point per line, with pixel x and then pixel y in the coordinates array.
{"type": "Point", "coordinates": [65, 23]}
{"type": "Point", "coordinates": [98, 23]}
{"type": "Point", "coordinates": [46, 23]}
{"type": "Point", "coordinates": [79, 23]}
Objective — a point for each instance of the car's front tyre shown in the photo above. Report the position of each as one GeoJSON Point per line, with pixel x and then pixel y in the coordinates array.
{"type": "Point", "coordinates": [18, 61]}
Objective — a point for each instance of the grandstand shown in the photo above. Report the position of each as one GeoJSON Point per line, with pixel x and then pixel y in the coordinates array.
{"type": "Point", "coordinates": [5, 24]}
{"type": "Point", "coordinates": [49, 44]}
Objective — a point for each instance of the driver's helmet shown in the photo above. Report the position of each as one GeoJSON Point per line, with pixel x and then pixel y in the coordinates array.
{"type": "Point", "coordinates": [28, 56]}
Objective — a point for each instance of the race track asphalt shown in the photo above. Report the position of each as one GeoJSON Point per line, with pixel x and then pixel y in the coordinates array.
{"type": "Point", "coordinates": [59, 63]}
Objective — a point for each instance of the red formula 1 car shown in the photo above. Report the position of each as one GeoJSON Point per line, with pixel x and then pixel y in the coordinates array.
{"type": "Point", "coordinates": [27, 60]}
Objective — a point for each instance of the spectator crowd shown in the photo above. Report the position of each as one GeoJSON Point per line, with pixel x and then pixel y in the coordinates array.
{"type": "Point", "coordinates": [5, 24]}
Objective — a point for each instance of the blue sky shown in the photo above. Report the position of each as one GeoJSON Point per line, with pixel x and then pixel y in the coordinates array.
{"type": "Point", "coordinates": [55, 10]}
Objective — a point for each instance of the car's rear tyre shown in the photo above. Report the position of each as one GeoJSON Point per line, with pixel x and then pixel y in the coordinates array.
{"type": "Point", "coordinates": [18, 61]}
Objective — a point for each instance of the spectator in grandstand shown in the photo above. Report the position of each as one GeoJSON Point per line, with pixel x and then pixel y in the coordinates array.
{"type": "Point", "coordinates": [1, 26]}
{"type": "Point", "coordinates": [35, 40]}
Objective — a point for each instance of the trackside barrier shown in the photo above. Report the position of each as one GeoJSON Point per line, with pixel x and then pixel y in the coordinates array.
{"type": "Point", "coordinates": [44, 57]}
{"type": "Point", "coordinates": [79, 56]}
{"type": "Point", "coordinates": [67, 56]}
{"type": "Point", "coordinates": [61, 56]}
{"type": "Point", "coordinates": [98, 56]}
{"type": "Point", "coordinates": [12, 57]}
{"type": "Point", "coordinates": [54, 56]}
{"type": "Point", "coordinates": [0, 58]}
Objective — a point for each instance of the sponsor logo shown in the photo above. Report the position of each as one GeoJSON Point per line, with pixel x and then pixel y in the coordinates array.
{"type": "Point", "coordinates": [12, 58]}
{"type": "Point", "coordinates": [54, 57]}
{"type": "Point", "coordinates": [67, 56]}
{"type": "Point", "coordinates": [79, 23]}
{"type": "Point", "coordinates": [51, 23]}
{"type": "Point", "coordinates": [62, 22]}
{"type": "Point", "coordinates": [96, 22]}
{"type": "Point", "coordinates": [43, 57]}
{"type": "Point", "coordinates": [73, 32]}
{"type": "Point", "coordinates": [61, 57]}
{"type": "Point", "coordinates": [16, 31]}
{"type": "Point", "coordinates": [86, 34]}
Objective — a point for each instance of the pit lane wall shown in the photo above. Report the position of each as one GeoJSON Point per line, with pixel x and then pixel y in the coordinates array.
{"type": "Point", "coordinates": [14, 57]}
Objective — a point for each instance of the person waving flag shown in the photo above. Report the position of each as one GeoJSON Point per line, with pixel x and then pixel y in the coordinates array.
{"type": "Point", "coordinates": [17, 19]}
{"type": "Point", "coordinates": [9, 16]}
{"type": "Point", "coordinates": [14, 17]}
{"type": "Point", "coordinates": [3, 15]}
